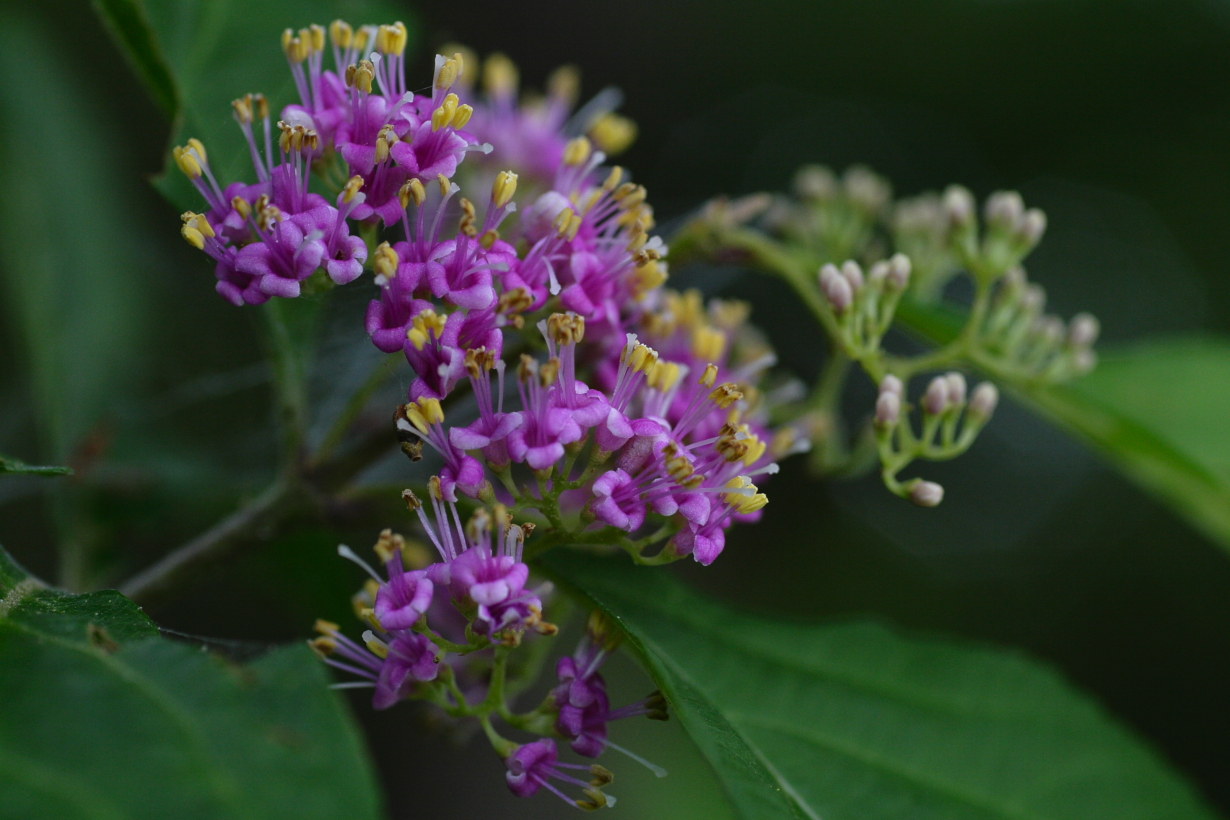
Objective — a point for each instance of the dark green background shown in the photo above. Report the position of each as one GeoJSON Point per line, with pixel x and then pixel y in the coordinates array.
{"type": "Point", "coordinates": [1113, 116]}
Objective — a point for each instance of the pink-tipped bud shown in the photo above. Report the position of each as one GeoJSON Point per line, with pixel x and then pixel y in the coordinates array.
{"type": "Point", "coordinates": [888, 410]}
{"type": "Point", "coordinates": [956, 388]}
{"type": "Point", "coordinates": [892, 384]}
{"type": "Point", "coordinates": [1033, 299]}
{"type": "Point", "coordinates": [899, 268]}
{"type": "Point", "coordinates": [1004, 210]}
{"type": "Point", "coordinates": [983, 401]}
{"type": "Point", "coordinates": [926, 493]}
{"type": "Point", "coordinates": [935, 400]}
{"type": "Point", "coordinates": [1083, 330]}
{"type": "Point", "coordinates": [959, 206]}
{"type": "Point", "coordinates": [1031, 227]}
{"type": "Point", "coordinates": [853, 274]}
{"type": "Point", "coordinates": [877, 275]}
{"type": "Point", "coordinates": [836, 289]}
{"type": "Point", "coordinates": [1084, 360]}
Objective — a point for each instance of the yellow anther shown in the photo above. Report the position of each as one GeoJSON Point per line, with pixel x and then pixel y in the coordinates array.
{"type": "Point", "coordinates": [574, 225]}
{"type": "Point", "coordinates": [241, 207]}
{"type": "Point", "coordinates": [391, 39]}
{"type": "Point", "coordinates": [613, 133]}
{"type": "Point", "coordinates": [468, 224]}
{"type": "Point", "coordinates": [351, 188]}
{"type": "Point", "coordinates": [412, 191]}
{"type": "Point", "coordinates": [724, 395]}
{"type": "Point", "coordinates": [564, 84]}
{"type": "Point", "coordinates": [499, 76]}
{"type": "Point", "coordinates": [364, 73]}
{"type": "Point", "coordinates": [307, 42]}
{"type": "Point", "coordinates": [384, 139]}
{"type": "Point", "coordinates": [562, 220]}
{"type": "Point", "coordinates": [434, 488]}
{"type": "Point", "coordinates": [548, 371]}
{"type": "Point", "coordinates": [360, 39]}
{"type": "Point", "coordinates": [368, 615]}
{"type": "Point", "coordinates": [318, 37]}
{"type": "Point", "coordinates": [378, 647]}
{"type": "Point", "coordinates": [503, 189]}
{"type": "Point", "coordinates": [443, 115]}
{"type": "Point", "coordinates": [365, 598]}
{"type": "Point", "coordinates": [708, 343]}
{"type": "Point", "coordinates": [194, 237]}
{"type": "Point", "coordinates": [288, 44]}
{"type": "Point", "coordinates": [663, 375]}
{"type": "Point", "coordinates": [385, 261]}
{"type": "Point", "coordinates": [489, 238]}
{"type": "Point", "coordinates": [424, 326]}
{"type": "Point", "coordinates": [387, 545]}
{"type": "Point", "coordinates": [411, 500]}
{"type": "Point", "coordinates": [479, 360]}
{"type": "Point", "coordinates": [243, 109]}
{"type": "Point", "coordinates": [591, 199]}
{"type": "Point", "coordinates": [464, 112]}
{"type": "Point", "coordinates": [612, 179]}
{"type": "Point", "coordinates": [566, 328]}
{"type": "Point", "coordinates": [446, 76]}
{"type": "Point", "coordinates": [260, 106]}
{"type": "Point", "coordinates": [744, 501]}
{"type": "Point", "coordinates": [326, 627]}
{"type": "Point", "coordinates": [576, 151]}
{"type": "Point", "coordinates": [636, 241]}
{"type": "Point", "coordinates": [708, 377]}
{"type": "Point", "coordinates": [187, 161]}
{"type": "Point", "coordinates": [341, 33]}
{"type": "Point", "coordinates": [641, 358]}
{"type": "Point", "coordinates": [323, 646]}
{"type": "Point", "coordinates": [755, 450]}
{"type": "Point", "coordinates": [631, 199]}
{"type": "Point", "coordinates": [444, 184]}
{"type": "Point", "coordinates": [198, 222]}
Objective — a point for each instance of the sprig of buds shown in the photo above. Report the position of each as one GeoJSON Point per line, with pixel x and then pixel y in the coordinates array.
{"type": "Point", "coordinates": [857, 259]}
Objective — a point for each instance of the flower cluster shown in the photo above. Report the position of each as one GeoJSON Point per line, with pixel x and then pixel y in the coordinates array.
{"type": "Point", "coordinates": [633, 416]}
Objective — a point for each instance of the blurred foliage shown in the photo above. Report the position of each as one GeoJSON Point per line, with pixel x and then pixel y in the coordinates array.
{"type": "Point", "coordinates": [104, 718]}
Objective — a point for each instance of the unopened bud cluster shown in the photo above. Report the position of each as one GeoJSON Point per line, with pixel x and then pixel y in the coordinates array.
{"type": "Point", "coordinates": [871, 256]}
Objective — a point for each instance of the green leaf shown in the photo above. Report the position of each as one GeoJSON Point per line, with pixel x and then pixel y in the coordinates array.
{"type": "Point", "coordinates": [212, 51]}
{"type": "Point", "coordinates": [102, 718]}
{"type": "Point", "coordinates": [13, 466]}
{"type": "Point", "coordinates": [857, 722]}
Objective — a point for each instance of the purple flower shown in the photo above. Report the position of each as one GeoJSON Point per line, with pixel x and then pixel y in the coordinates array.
{"type": "Point", "coordinates": [411, 657]}
{"type": "Point", "coordinates": [617, 501]}
{"type": "Point", "coordinates": [286, 255]}
{"type": "Point", "coordinates": [533, 765]}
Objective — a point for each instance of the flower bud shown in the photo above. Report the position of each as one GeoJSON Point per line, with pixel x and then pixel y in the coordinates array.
{"type": "Point", "coordinates": [1004, 210]}
{"type": "Point", "coordinates": [926, 493]}
{"type": "Point", "coordinates": [1083, 330]}
{"type": "Point", "coordinates": [877, 275]}
{"type": "Point", "coordinates": [1083, 361]}
{"type": "Point", "coordinates": [815, 182]}
{"type": "Point", "coordinates": [956, 388]}
{"type": "Point", "coordinates": [982, 402]}
{"type": "Point", "coordinates": [959, 206]}
{"type": "Point", "coordinates": [891, 384]}
{"type": "Point", "coordinates": [1031, 227]}
{"type": "Point", "coordinates": [888, 409]}
{"type": "Point", "coordinates": [866, 190]}
{"type": "Point", "coordinates": [935, 400]}
{"type": "Point", "coordinates": [836, 289]}
{"type": "Point", "coordinates": [853, 274]}
{"type": "Point", "coordinates": [899, 271]}
{"type": "Point", "coordinates": [1033, 299]}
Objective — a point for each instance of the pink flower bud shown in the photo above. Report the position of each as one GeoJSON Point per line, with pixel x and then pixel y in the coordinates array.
{"type": "Point", "coordinates": [853, 274]}
{"type": "Point", "coordinates": [1033, 299]}
{"type": "Point", "coordinates": [1031, 227]}
{"type": "Point", "coordinates": [877, 275]}
{"type": "Point", "coordinates": [899, 271]}
{"type": "Point", "coordinates": [836, 289]}
{"type": "Point", "coordinates": [888, 409]}
{"type": "Point", "coordinates": [935, 400]}
{"type": "Point", "coordinates": [1004, 209]}
{"type": "Point", "coordinates": [891, 384]}
{"type": "Point", "coordinates": [982, 402]}
{"type": "Point", "coordinates": [1083, 330]}
{"type": "Point", "coordinates": [926, 493]}
{"type": "Point", "coordinates": [956, 388]}
{"type": "Point", "coordinates": [959, 206]}
{"type": "Point", "coordinates": [1083, 361]}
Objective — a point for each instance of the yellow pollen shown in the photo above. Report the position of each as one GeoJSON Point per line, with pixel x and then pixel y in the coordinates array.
{"type": "Point", "coordinates": [446, 76]}
{"type": "Point", "coordinates": [325, 627]}
{"type": "Point", "coordinates": [489, 238]}
{"type": "Point", "coordinates": [194, 237]}
{"type": "Point", "coordinates": [351, 188]}
{"type": "Point", "coordinates": [562, 220]}
{"type": "Point", "coordinates": [499, 76]}
{"type": "Point", "coordinates": [323, 646]}
{"type": "Point", "coordinates": [464, 112]}
{"type": "Point", "coordinates": [576, 151]}
{"type": "Point", "coordinates": [724, 395]}
{"type": "Point", "coordinates": [663, 375]}
{"type": "Point", "coordinates": [378, 647]}
{"type": "Point", "coordinates": [613, 133]}
{"type": "Point", "coordinates": [385, 261]}
{"type": "Point", "coordinates": [564, 84]}
{"type": "Point", "coordinates": [318, 37]}
{"type": "Point", "coordinates": [424, 326]}
{"type": "Point", "coordinates": [187, 161]}
{"type": "Point", "coordinates": [574, 225]}
{"type": "Point", "coordinates": [612, 179]}
{"type": "Point", "coordinates": [412, 191]}
{"type": "Point", "coordinates": [444, 184]}
{"type": "Point", "coordinates": [708, 343]}
{"type": "Point", "coordinates": [341, 33]}
{"type": "Point", "coordinates": [504, 188]}
{"type": "Point", "coordinates": [243, 109]}
{"type": "Point", "coordinates": [443, 115]}
{"type": "Point", "coordinates": [709, 376]}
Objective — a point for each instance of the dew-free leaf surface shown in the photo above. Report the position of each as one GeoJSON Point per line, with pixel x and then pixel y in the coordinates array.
{"type": "Point", "coordinates": [855, 721]}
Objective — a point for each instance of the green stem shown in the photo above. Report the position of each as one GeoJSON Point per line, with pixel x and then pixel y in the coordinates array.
{"type": "Point", "coordinates": [354, 406]}
{"type": "Point", "coordinates": [288, 378]}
